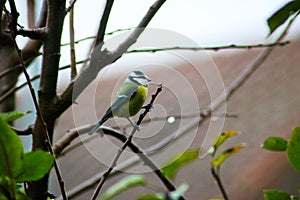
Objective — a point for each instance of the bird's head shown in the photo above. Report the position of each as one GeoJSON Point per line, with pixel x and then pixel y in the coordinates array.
{"type": "Point", "coordinates": [138, 77]}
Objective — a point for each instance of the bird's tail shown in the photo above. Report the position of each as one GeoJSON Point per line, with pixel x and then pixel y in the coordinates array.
{"type": "Point", "coordinates": [97, 125]}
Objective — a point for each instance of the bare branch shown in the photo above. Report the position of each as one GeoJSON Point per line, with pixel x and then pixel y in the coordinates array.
{"type": "Point", "coordinates": [72, 46]}
{"type": "Point", "coordinates": [13, 20]}
{"type": "Point", "coordinates": [219, 182]}
{"type": "Point", "coordinates": [14, 89]}
{"type": "Point", "coordinates": [182, 116]}
{"type": "Point", "coordinates": [93, 37]}
{"type": "Point", "coordinates": [27, 131]}
{"type": "Point", "coordinates": [10, 57]}
{"type": "Point", "coordinates": [217, 48]}
{"type": "Point", "coordinates": [103, 22]}
{"type": "Point", "coordinates": [191, 48]}
{"type": "Point", "coordinates": [30, 13]}
{"type": "Point", "coordinates": [72, 3]}
{"type": "Point", "coordinates": [32, 47]}
{"type": "Point", "coordinates": [68, 137]}
{"type": "Point", "coordinates": [36, 33]}
{"type": "Point", "coordinates": [140, 28]}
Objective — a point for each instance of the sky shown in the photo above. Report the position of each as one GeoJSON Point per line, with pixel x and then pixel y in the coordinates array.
{"type": "Point", "coordinates": [210, 22]}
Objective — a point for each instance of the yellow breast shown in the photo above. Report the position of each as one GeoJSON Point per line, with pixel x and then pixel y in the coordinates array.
{"type": "Point", "coordinates": [135, 103]}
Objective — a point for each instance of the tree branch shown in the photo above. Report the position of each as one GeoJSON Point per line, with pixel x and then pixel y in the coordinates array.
{"type": "Point", "coordinates": [217, 48]}
{"type": "Point", "coordinates": [72, 46]}
{"type": "Point", "coordinates": [219, 182]}
{"type": "Point", "coordinates": [44, 124]}
{"type": "Point", "coordinates": [10, 57]}
{"type": "Point", "coordinates": [103, 22]}
{"type": "Point", "coordinates": [30, 13]}
{"type": "Point", "coordinates": [27, 131]}
{"type": "Point", "coordinates": [35, 33]}
{"type": "Point", "coordinates": [18, 66]}
{"type": "Point", "coordinates": [191, 48]}
{"type": "Point", "coordinates": [72, 3]}
{"type": "Point", "coordinates": [14, 89]}
{"type": "Point", "coordinates": [182, 116]}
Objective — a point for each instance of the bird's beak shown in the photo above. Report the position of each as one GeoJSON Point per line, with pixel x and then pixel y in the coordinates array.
{"type": "Point", "coordinates": [148, 79]}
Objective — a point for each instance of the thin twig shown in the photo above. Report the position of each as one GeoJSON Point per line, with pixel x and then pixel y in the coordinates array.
{"type": "Point", "coordinates": [103, 22]}
{"type": "Point", "coordinates": [192, 48]}
{"type": "Point", "coordinates": [12, 90]}
{"type": "Point", "coordinates": [93, 37]}
{"type": "Point", "coordinates": [27, 131]}
{"type": "Point", "coordinates": [34, 33]}
{"type": "Point", "coordinates": [217, 48]}
{"type": "Point", "coordinates": [70, 6]}
{"type": "Point", "coordinates": [18, 66]}
{"type": "Point", "coordinates": [126, 143]}
{"type": "Point", "coordinates": [219, 182]}
{"type": "Point", "coordinates": [182, 116]}
{"type": "Point", "coordinates": [14, 16]}
{"type": "Point", "coordinates": [72, 46]}
{"type": "Point", "coordinates": [30, 13]}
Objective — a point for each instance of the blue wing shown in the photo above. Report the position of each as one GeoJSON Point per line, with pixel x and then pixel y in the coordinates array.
{"type": "Point", "coordinates": [122, 98]}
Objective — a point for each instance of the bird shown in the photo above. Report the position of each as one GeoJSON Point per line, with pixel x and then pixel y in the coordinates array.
{"type": "Point", "coordinates": [128, 101]}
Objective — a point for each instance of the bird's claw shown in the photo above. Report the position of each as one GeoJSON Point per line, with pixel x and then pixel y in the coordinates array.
{"type": "Point", "coordinates": [148, 106]}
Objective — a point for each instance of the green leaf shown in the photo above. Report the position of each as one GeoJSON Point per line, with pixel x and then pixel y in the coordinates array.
{"type": "Point", "coordinates": [13, 116]}
{"type": "Point", "coordinates": [225, 154]}
{"type": "Point", "coordinates": [3, 197]}
{"type": "Point", "coordinates": [123, 185]}
{"type": "Point", "coordinates": [21, 196]}
{"type": "Point", "coordinates": [275, 144]}
{"type": "Point", "coordinates": [276, 195]}
{"type": "Point", "coordinates": [5, 188]}
{"type": "Point", "coordinates": [179, 161]}
{"type": "Point", "coordinates": [221, 139]}
{"type": "Point", "coordinates": [282, 15]}
{"type": "Point", "coordinates": [294, 198]}
{"type": "Point", "coordinates": [11, 151]}
{"type": "Point", "coordinates": [293, 149]}
{"type": "Point", "coordinates": [40, 161]}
